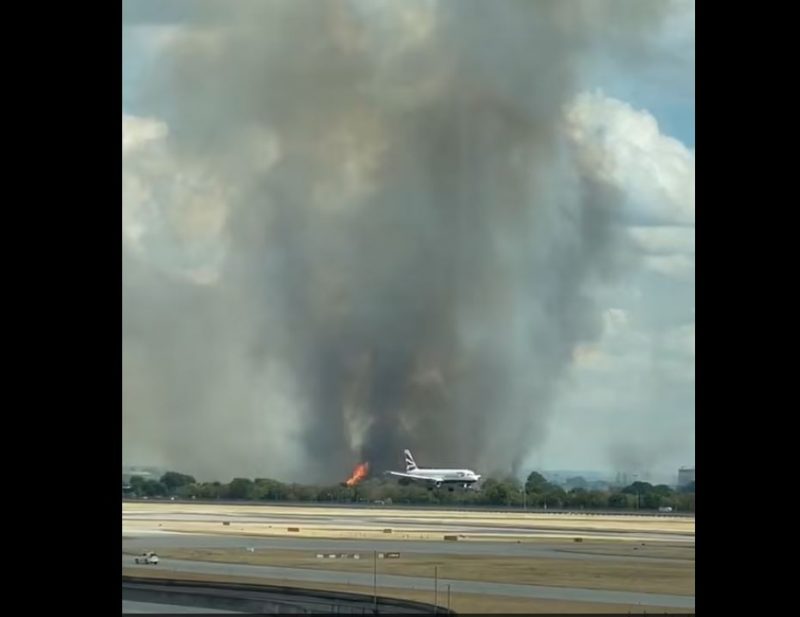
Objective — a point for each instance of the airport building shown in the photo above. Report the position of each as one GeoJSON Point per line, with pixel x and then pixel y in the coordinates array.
{"type": "Point", "coordinates": [685, 476]}
{"type": "Point", "coordinates": [626, 478]}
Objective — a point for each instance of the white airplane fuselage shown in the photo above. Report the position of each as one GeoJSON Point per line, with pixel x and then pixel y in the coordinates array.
{"type": "Point", "coordinates": [436, 477]}
{"type": "Point", "coordinates": [459, 476]}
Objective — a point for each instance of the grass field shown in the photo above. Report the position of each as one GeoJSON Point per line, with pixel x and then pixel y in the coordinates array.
{"type": "Point", "coordinates": [673, 571]}
{"type": "Point", "coordinates": [459, 602]}
{"type": "Point", "coordinates": [567, 522]}
{"type": "Point", "coordinates": [321, 532]}
{"type": "Point", "coordinates": [660, 550]}
{"type": "Point", "coordinates": [675, 577]}
{"type": "Point", "coordinates": [372, 524]}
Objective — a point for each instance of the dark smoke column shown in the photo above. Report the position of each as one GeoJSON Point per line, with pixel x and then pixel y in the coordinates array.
{"type": "Point", "coordinates": [416, 264]}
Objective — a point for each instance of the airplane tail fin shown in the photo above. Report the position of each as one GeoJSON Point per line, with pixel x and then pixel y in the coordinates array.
{"type": "Point", "coordinates": [410, 464]}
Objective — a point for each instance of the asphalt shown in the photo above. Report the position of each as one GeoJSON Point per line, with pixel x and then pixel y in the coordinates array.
{"type": "Point", "coordinates": [129, 606]}
{"type": "Point", "coordinates": [374, 507]}
{"type": "Point", "coordinates": [550, 544]}
{"type": "Point", "coordinates": [257, 599]}
{"type": "Point", "coordinates": [445, 526]}
{"type": "Point", "coordinates": [411, 582]}
{"type": "Point", "coordinates": [160, 541]}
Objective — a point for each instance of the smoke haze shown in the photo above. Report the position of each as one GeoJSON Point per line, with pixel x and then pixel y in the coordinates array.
{"type": "Point", "coordinates": [355, 227]}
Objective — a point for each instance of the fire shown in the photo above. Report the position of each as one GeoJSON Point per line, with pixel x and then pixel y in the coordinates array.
{"type": "Point", "coordinates": [359, 473]}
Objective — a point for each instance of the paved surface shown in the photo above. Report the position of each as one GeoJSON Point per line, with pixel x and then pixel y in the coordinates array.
{"type": "Point", "coordinates": [156, 542]}
{"type": "Point", "coordinates": [414, 508]}
{"type": "Point", "coordinates": [551, 544]}
{"type": "Point", "coordinates": [129, 606]}
{"type": "Point", "coordinates": [412, 582]}
{"type": "Point", "coordinates": [412, 524]}
{"type": "Point", "coordinates": [264, 600]}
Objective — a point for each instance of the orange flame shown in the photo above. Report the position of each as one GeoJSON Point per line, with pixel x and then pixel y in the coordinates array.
{"type": "Point", "coordinates": [359, 473]}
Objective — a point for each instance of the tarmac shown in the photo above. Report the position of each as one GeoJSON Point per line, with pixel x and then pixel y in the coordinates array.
{"type": "Point", "coordinates": [141, 532]}
{"type": "Point", "coordinates": [129, 606]}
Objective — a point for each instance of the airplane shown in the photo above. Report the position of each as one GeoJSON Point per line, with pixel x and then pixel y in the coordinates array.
{"type": "Point", "coordinates": [438, 477]}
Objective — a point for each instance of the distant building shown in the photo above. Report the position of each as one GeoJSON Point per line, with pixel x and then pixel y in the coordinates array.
{"type": "Point", "coordinates": [685, 476]}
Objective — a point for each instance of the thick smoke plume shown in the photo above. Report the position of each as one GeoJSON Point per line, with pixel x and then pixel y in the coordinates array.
{"type": "Point", "coordinates": [356, 227]}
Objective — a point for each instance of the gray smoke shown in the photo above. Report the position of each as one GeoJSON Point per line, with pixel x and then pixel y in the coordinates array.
{"type": "Point", "coordinates": [363, 230]}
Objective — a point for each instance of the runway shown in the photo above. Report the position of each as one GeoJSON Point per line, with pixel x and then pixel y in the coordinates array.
{"type": "Point", "coordinates": [160, 527]}
{"type": "Point", "coordinates": [411, 582]}
{"type": "Point", "coordinates": [129, 606]}
{"type": "Point", "coordinates": [164, 540]}
{"type": "Point", "coordinates": [418, 524]}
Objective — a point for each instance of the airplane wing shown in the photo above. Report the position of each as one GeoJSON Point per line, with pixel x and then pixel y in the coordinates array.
{"type": "Point", "coordinates": [412, 476]}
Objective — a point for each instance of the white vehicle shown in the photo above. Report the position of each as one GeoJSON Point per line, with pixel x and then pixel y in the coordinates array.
{"type": "Point", "coordinates": [148, 558]}
{"type": "Point", "coordinates": [436, 477]}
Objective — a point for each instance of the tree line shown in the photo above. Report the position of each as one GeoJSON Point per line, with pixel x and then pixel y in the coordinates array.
{"type": "Point", "coordinates": [535, 492]}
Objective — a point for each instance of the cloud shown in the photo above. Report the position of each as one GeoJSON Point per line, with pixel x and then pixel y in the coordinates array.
{"type": "Point", "coordinates": [175, 208]}
{"type": "Point", "coordinates": [624, 147]}
{"type": "Point", "coordinates": [366, 229]}
{"type": "Point", "coordinates": [173, 214]}
{"type": "Point", "coordinates": [629, 151]}
{"type": "Point", "coordinates": [137, 132]}
{"type": "Point", "coordinates": [629, 399]}
{"type": "Point", "coordinates": [378, 201]}
{"type": "Point", "coordinates": [629, 402]}
{"type": "Point", "coordinates": [622, 346]}
{"type": "Point", "coordinates": [679, 267]}
{"type": "Point", "coordinates": [681, 340]}
{"type": "Point", "coordinates": [664, 240]}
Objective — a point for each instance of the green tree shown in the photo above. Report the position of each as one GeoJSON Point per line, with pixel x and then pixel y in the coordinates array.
{"type": "Point", "coordinates": [577, 482]}
{"type": "Point", "coordinates": [688, 488]}
{"type": "Point", "coordinates": [186, 491]}
{"type": "Point", "coordinates": [495, 492]}
{"type": "Point", "coordinates": [271, 490]}
{"type": "Point", "coordinates": [650, 501]}
{"type": "Point", "coordinates": [209, 490]}
{"type": "Point", "coordinates": [414, 493]}
{"type": "Point", "coordinates": [597, 500]}
{"type": "Point", "coordinates": [240, 488]}
{"type": "Point", "coordinates": [618, 500]}
{"type": "Point", "coordinates": [642, 488]}
{"type": "Point", "coordinates": [536, 483]}
{"type": "Point", "coordinates": [555, 497]}
{"type": "Point", "coordinates": [304, 493]}
{"type": "Point", "coordinates": [137, 485]}
{"type": "Point", "coordinates": [577, 497]}
{"type": "Point", "coordinates": [342, 494]}
{"type": "Point", "coordinates": [153, 488]}
{"type": "Point", "coordinates": [173, 480]}
{"type": "Point", "coordinates": [670, 502]}
{"type": "Point", "coordinates": [446, 497]}
{"type": "Point", "coordinates": [662, 490]}
{"type": "Point", "coordinates": [685, 502]}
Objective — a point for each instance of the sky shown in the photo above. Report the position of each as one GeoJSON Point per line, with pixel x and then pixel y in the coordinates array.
{"type": "Point", "coordinates": [622, 398]}
{"type": "Point", "coordinates": [639, 378]}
